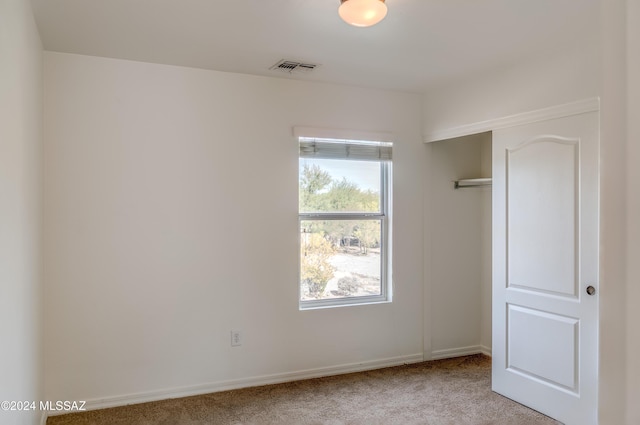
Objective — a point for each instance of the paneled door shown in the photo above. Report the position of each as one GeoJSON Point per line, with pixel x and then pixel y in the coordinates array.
{"type": "Point", "coordinates": [545, 266]}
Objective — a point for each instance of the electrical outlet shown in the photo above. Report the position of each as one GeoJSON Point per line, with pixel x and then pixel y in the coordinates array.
{"type": "Point", "coordinates": [236, 338]}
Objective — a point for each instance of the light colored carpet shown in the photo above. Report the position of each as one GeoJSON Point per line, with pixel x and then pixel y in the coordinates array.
{"type": "Point", "coordinates": [443, 392]}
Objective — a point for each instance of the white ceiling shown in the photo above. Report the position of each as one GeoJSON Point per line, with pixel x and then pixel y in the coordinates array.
{"type": "Point", "coordinates": [421, 43]}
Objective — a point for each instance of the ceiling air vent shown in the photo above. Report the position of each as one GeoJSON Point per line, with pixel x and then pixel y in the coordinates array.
{"type": "Point", "coordinates": [293, 66]}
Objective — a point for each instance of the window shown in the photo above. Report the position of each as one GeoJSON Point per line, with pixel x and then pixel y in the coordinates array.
{"type": "Point", "coordinates": [344, 204]}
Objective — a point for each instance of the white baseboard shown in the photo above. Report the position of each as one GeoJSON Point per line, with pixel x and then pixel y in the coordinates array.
{"type": "Point", "coordinates": [212, 387]}
{"type": "Point", "coordinates": [460, 351]}
{"type": "Point", "coordinates": [485, 350]}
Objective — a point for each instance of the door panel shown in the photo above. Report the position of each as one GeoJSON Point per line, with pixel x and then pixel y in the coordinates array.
{"type": "Point", "coordinates": [545, 251]}
{"type": "Point", "coordinates": [541, 189]}
{"type": "Point", "coordinates": [528, 351]}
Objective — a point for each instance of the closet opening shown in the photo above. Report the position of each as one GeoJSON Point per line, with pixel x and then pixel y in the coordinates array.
{"type": "Point", "coordinates": [459, 210]}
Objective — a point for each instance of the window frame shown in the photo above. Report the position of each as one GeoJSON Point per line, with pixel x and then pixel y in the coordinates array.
{"type": "Point", "coordinates": [383, 215]}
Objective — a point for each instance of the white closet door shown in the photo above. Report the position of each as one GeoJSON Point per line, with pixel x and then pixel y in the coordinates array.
{"type": "Point", "coordinates": [545, 266]}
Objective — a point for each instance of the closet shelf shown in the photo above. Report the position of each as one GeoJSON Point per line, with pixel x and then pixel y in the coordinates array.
{"type": "Point", "coordinates": [472, 182]}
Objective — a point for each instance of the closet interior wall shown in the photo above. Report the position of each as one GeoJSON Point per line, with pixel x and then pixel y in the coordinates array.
{"type": "Point", "coordinates": [460, 239]}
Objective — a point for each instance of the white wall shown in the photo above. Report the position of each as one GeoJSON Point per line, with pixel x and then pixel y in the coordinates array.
{"type": "Point", "coordinates": [633, 196]}
{"type": "Point", "coordinates": [20, 187]}
{"type": "Point", "coordinates": [171, 218]}
{"type": "Point", "coordinates": [613, 208]}
{"type": "Point", "coordinates": [536, 84]}
{"type": "Point", "coordinates": [460, 246]}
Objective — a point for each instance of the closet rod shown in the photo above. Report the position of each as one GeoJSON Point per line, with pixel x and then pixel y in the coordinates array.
{"type": "Point", "coordinates": [472, 182]}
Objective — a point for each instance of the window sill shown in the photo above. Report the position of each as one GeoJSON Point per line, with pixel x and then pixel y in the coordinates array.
{"type": "Point", "coordinates": [343, 302]}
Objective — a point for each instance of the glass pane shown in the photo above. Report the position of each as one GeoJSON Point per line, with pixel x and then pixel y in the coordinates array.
{"type": "Point", "coordinates": [339, 185]}
{"type": "Point", "coordinates": [339, 258]}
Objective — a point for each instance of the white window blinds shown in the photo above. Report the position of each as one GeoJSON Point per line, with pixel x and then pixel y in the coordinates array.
{"type": "Point", "coordinates": [345, 149]}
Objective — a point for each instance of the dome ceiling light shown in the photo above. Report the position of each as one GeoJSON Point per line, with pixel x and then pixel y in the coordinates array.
{"type": "Point", "coordinates": [362, 13]}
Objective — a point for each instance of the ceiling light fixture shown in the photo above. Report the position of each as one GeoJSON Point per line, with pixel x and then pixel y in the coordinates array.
{"type": "Point", "coordinates": [362, 13]}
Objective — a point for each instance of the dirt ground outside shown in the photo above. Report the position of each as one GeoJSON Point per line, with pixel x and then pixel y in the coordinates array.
{"type": "Point", "coordinates": [356, 274]}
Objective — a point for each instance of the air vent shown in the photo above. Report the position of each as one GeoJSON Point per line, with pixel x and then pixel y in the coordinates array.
{"type": "Point", "coordinates": [293, 66]}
